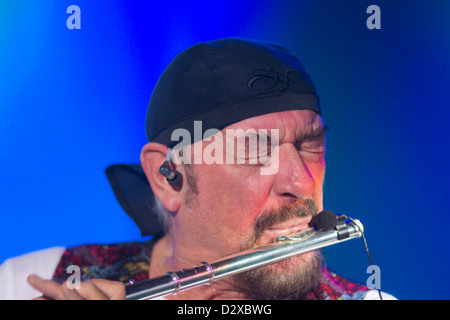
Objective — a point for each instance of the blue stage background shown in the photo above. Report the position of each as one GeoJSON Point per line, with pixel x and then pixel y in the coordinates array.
{"type": "Point", "coordinates": [73, 102]}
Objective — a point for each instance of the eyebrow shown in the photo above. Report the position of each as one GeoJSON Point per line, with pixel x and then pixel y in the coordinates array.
{"type": "Point", "coordinates": [315, 133]}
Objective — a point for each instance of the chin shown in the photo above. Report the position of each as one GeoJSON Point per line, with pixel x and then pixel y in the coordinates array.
{"type": "Point", "coordinates": [293, 278]}
{"type": "Point", "coordinates": [291, 265]}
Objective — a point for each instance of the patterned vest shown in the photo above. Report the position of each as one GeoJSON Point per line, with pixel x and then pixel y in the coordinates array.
{"type": "Point", "coordinates": [131, 261]}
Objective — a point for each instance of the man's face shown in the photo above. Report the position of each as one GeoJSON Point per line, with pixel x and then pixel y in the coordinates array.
{"type": "Point", "coordinates": [235, 207]}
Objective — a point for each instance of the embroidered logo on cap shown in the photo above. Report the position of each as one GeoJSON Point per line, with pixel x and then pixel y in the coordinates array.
{"type": "Point", "coordinates": [272, 82]}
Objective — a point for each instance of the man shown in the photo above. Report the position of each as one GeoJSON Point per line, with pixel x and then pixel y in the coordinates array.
{"type": "Point", "coordinates": [235, 159]}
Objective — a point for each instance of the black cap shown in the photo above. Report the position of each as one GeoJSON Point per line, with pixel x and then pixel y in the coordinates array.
{"type": "Point", "coordinates": [224, 81]}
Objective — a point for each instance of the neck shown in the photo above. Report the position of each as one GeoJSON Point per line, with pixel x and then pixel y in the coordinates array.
{"type": "Point", "coordinates": [163, 260]}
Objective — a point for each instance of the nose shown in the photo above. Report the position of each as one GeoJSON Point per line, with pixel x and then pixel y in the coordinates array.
{"type": "Point", "coordinates": [293, 180]}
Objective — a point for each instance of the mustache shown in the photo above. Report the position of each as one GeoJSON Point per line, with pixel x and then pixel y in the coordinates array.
{"type": "Point", "coordinates": [299, 209]}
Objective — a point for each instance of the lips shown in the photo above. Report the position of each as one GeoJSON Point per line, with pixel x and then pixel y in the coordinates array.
{"type": "Point", "coordinates": [286, 228]}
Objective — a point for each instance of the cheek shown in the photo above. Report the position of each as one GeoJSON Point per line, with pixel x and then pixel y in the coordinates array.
{"type": "Point", "coordinates": [235, 194]}
{"type": "Point", "coordinates": [318, 173]}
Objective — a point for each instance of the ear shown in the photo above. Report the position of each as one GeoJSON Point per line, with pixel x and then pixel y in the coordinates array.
{"type": "Point", "coordinates": [153, 156]}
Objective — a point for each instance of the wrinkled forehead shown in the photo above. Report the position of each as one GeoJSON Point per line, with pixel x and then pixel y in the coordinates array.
{"type": "Point", "coordinates": [290, 125]}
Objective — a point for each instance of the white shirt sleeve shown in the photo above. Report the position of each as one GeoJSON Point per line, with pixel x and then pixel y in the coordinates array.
{"type": "Point", "coordinates": [374, 295]}
{"type": "Point", "coordinates": [15, 271]}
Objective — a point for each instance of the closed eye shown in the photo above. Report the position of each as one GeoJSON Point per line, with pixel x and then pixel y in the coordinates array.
{"type": "Point", "coordinates": [313, 142]}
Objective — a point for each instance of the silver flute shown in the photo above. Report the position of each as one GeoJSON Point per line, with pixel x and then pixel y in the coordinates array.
{"type": "Point", "coordinates": [205, 273]}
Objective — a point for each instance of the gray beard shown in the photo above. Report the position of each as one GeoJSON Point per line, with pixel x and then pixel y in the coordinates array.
{"type": "Point", "coordinates": [290, 279]}
{"type": "Point", "coordinates": [266, 284]}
